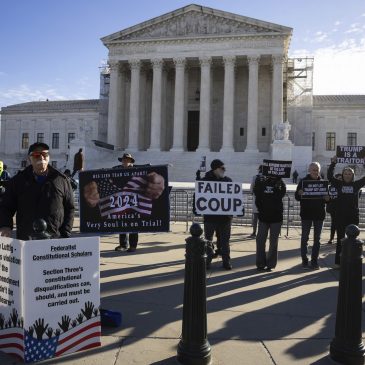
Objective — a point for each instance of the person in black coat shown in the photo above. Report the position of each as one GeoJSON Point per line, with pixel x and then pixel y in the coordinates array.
{"type": "Point", "coordinates": [312, 212]}
{"type": "Point", "coordinates": [269, 192]}
{"type": "Point", "coordinates": [38, 192]}
{"type": "Point", "coordinates": [347, 202]}
{"type": "Point", "coordinates": [220, 224]}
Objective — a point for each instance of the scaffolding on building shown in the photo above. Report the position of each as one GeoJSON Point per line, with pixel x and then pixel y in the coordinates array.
{"type": "Point", "coordinates": [298, 76]}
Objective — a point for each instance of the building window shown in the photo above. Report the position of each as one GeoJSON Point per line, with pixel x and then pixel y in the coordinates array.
{"type": "Point", "coordinates": [330, 141]}
{"type": "Point", "coordinates": [54, 164]}
{"type": "Point", "coordinates": [25, 140]}
{"type": "Point", "coordinates": [55, 140]}
{"type": "Point", "coordinates": [313, 140]}
{"type": "Point", "coordinates": [263, 131]}
{"type": "Point", "coordinates": [351, 139]}
{"type": "Point", "coordinates": [40, 137]}
{"type": "Point", "coordinates": [70, 137]}
{"type": "Point", "coordinates": [24, 163]}
{"type": "Point", "coordinates": [242, 132]}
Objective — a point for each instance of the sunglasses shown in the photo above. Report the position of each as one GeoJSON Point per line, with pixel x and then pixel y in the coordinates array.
{"type": "Point", "coordinates": [39, 154]}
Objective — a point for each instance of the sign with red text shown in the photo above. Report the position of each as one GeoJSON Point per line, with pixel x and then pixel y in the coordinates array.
{"type": "Point", "coordinates": [51, 297]}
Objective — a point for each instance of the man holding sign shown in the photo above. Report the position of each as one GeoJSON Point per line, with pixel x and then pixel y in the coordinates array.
{"type": "Point", "coordinates": [312, 212]}
{"type": "Point", "coordinates": [214, 201]}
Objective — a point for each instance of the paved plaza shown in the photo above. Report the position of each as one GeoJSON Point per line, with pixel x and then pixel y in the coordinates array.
{"type": "Point", "coordinates": [282, 317]}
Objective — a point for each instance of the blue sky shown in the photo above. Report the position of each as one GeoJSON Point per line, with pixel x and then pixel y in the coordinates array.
{"type": "Point", "coordinates": [52, 49]}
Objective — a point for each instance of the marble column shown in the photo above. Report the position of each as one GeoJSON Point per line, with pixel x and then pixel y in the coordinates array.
{"type": "Point", "coordinates": [114, 101]}
{"type": "Point", "coordinates": [156, 105]}
{"type": "Point", "coordinates": [204, 118]}
{"type": "Point", "coordinates": [228, 104]}
{"type": "Point", "coordinates": [134, 105]}
{"type": "Point", "coordinates": [179, 104]}
{"type": "Point", "coordinates": [277, 90]}
{"type": "Point", "coordinates": [252, 107]}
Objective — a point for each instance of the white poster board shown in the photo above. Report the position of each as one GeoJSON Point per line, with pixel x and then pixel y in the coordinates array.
{"type": "Point", "coordinates": [59, 297]}
{"type": "Point", "coordinates": [218, 198]}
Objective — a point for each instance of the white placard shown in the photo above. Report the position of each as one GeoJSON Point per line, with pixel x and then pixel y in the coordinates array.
{"type": "Point", "coordinates": [218, 198]}
{"type": "Point", "coordinates": [54, 287]}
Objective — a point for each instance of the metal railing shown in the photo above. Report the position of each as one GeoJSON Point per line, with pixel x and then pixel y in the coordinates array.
{"type": "Point", "coordinates": [181, 209]}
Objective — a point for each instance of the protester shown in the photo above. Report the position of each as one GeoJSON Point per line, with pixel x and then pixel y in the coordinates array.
{"type": "Point", "coordinates": [79, 160]}
{"type": "Point", "coordinates": [331, 208]}
{"type": "Point", "coordinates": [295, 176]}
{"type": "Point", "coordinates": [269, 192]}
{"type": "Point", "coordinates": [312, 212]}
{"type": "Point", "coordinates": [220, 224]}
{"type": "Point", "coordinates": [255, 212]}
{"type": "Point", "coordinates": [152, 189]}
{"type": "Point", "coordinates": [347, 203]}
{"type": "Point", "coordinates": [38, 192]}
{"type": "Point", "coordinates": [127, 161]}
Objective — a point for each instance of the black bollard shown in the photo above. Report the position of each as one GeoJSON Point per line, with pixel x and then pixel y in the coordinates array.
{"type": "Point", "coordinates": [40, 230]}
{"type": "Point", "coordinates": [194, 348]}
{"type": "Point", "coordinates": [347, 346]}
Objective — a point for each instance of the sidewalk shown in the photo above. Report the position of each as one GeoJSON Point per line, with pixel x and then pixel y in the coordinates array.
{"type": "Point", "coordinates": [283, 317]}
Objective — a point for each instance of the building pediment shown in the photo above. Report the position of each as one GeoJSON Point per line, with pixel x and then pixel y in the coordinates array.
{"type": "Point", "coordinates": [196, 21]}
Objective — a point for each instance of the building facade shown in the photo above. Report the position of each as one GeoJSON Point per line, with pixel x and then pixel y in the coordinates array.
{"type": "Point", "coordinates": [190, 83]}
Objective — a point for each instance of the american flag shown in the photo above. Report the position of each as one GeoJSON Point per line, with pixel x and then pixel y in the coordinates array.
{"type": "Point", "coordinates": [12, 341]}
{"type": "Point", "coordinates": [82, 337]}
{"type": "Point", "coordinates": [114, 200]}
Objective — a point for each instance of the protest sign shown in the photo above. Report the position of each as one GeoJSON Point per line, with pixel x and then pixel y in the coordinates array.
{"type": "Point", "coordinates": [314, 189]}
{"type": "Point", "coordinates": [50, 297]}
{"type": "Point", "coordinates": [218, 198]}
{"type": "Point", "coordinates": [124, 200]}
{"type": "Point", "coordinates": [276, 168]}
{"type": "Point", "coordinates": [353, 155]}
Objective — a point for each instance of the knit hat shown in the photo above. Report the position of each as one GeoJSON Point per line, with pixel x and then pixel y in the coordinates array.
{"type": "Point", "coordinates": [216, 164]}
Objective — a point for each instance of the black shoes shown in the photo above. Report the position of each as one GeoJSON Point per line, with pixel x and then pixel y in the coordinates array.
{"type": "Point", "coordinates": [120, 248]}
{"type": "Point", "coordinates": [131, 249]}
{"type": "Point", "coordinates": [227, 265]}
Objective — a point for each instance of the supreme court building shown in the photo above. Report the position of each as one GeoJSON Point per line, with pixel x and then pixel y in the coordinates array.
{"type": "Point", "coordinates": [190, 83]}
{"type": "Point", "coordinates": [196, 79]}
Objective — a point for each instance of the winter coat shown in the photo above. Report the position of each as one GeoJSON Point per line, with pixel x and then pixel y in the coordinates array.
{"type": "Point", "coordinates": [210, 176]}
{"type": "Point", "coordinates": [347, 202]}
{"type": "Point", "coordinates": [51, 200]}
{"type": "Point", "coordinates": [78, 161]}
{"type": "Point", "coordinates": [269, 194]}
{"type": "Point", "coordinates": [310, 209]}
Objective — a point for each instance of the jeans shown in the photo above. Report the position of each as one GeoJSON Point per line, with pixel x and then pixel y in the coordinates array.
{"type": "Point", "coordinates": [271, 258]}
{"type": "Point", "coordinates": [317, 230]}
